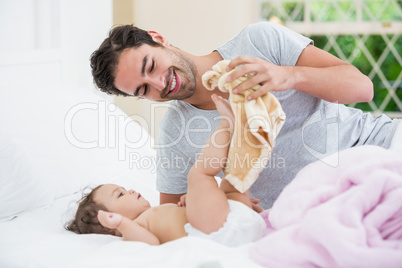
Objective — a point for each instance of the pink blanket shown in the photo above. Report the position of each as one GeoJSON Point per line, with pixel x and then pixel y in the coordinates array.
{"type": "Point", "coordinates": [349, 215]}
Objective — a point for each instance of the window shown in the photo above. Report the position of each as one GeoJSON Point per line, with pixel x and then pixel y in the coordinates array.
{"type": "Point", "coordinates": [365, 33]}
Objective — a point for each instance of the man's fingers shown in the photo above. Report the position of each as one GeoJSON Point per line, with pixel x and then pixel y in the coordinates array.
{"type": "Point", "coordinates": [241, 71]}
{"type": "Point", "coordinates": [236, 62]}
{"type": "Point", "coordinates": [249, 83]}
{"type": "Point", "coordinates": [257, 208]}
{"type": "Point", "coordinates": [182, 202]}
{"type": "Point", "coordinates": [256, 94]}
{"type": "Point", "coordinates": [255, 201]}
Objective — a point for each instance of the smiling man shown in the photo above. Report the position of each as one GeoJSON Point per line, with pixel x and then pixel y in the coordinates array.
{"type": "Point", "coordinates": [156, 82]}
{"type": "Point", "coordinates": [145, 65]}
{"type": "Point", "coordinates": [311, 85]}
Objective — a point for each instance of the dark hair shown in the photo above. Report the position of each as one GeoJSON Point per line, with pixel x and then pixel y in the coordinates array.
{"type": "Point", "coordinates": [104, 60]}
{"type": "Point", "coordinates": [86, 218]}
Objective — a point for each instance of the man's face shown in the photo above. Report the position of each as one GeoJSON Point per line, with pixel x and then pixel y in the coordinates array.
{"type": "Point", "coordinates": [155, 73]}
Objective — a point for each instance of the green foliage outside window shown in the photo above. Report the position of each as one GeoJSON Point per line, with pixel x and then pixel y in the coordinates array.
{"type": "Point", "coordinates": [352, 46]}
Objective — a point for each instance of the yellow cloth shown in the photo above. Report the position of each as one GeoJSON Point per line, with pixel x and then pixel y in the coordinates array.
{"type": "Point", "coordinates": [257, 124]}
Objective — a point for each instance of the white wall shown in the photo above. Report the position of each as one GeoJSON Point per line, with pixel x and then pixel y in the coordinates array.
{"type": "Point", "coordinates": [17, 25]}
{"type": "Point", "coordinates": [84, 24]}
{"type": "Point", "coordinates": [193, 25]}
{"type": "Point", "coordinates": [25, 43]}
{"type": "Point", "coordinates": [196, 26]}
{"type": "Point", "coordinates": [58, 37]}
{"type": "Point", "coordinates": [48, 41]}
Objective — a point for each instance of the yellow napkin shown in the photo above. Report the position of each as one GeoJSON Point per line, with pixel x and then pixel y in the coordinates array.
{"type": "Point", "coordinates": [257, 124]}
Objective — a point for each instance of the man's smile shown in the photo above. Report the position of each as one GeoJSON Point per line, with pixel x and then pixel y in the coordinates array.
{"type": "Point", "coordinates": [173, 86]}
{"type": "Point", "coordinates": [174, 83]}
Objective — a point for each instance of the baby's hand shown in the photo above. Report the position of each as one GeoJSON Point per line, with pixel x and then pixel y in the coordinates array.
{"type": "Point", "coordinates": [224, 110]}
{"type": "Point", "coordinates": [109, 220]}
{"type": "Point", "coordinates": [182, 202]}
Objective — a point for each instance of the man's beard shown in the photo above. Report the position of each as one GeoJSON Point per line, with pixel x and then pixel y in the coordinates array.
{"type": "Point", "coordinates": [187, 72]}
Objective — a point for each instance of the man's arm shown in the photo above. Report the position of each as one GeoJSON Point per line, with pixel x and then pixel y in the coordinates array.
{"type": "Point", "coordinates": [169, 198]}
{"type": "Point", "coordinates": [317, 73]}
{"type": "Point", "coordinates": [323, 75]}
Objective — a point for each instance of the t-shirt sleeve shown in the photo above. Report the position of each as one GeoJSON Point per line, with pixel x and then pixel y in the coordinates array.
{"type": "Point", "coordinates": [266, 40]}
{"type": "Point", "coordinates": [279, 44]}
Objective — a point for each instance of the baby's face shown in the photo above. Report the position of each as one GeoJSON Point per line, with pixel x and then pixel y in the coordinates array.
{"type": "Point", "coordinates": [118, 200]}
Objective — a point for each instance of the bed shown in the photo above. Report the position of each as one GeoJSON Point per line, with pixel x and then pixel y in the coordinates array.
{"type": "Point", "coordinates": [58, 138]}
{"type": "Point", "coordinates": [56, 141]}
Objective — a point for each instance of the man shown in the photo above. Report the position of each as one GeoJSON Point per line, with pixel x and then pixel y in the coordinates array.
{"type": "Point", "coordinates": [311, 85]}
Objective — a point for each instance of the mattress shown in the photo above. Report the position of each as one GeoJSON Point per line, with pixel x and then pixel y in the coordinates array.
{"type": "Point", "coordinates": [56, 142]}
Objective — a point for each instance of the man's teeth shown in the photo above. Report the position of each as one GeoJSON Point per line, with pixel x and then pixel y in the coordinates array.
{"type": "Point", "coordinates": [173, 84]}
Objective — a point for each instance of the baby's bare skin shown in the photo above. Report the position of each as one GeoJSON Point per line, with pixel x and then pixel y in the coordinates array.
{"type": "Point", "coordinates": [206, 205]}
{"type": "Point", "coordinates": [166, 222]}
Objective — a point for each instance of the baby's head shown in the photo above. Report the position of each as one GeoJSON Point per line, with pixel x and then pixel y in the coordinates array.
{"type": "Point", "coordinates": [86, 218]}
{"type": "Point", "coordinates": [107, 197]}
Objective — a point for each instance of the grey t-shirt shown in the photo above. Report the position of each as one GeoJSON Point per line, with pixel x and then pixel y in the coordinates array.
{"type": "Point", "coordinates": [314, 128]}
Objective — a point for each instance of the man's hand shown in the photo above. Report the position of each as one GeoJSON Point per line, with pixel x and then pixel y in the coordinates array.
{"type": "Point", "coordinates": [182, 202]}
{"type": "Point", "coordinates": [255, 206]}
{"type": "Point", "coordinates": [254, 203]}
{"type": "Point", "coordinates": [267, 75]}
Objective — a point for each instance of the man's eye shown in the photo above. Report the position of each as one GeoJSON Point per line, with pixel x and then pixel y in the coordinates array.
{"type": "Point", "coordinates": [145, 90]}
{"type": "Point", "coordinates": [152, 66]}
{"type": "Point", "coordinates": [142, 91]}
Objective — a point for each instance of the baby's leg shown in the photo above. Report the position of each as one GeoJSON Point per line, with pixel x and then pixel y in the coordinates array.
{"type": "Point", "coordinates": [206, 205]}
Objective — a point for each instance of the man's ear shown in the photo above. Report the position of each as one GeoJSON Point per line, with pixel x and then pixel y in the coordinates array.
{"type": "Point", "coordinates": [158, 38]}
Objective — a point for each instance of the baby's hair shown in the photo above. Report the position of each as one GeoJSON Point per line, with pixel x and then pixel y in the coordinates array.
{"type": "Point", "coordinates": [86, 218]}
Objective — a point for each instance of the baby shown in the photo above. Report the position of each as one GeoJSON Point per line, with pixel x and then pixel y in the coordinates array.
{"type": "Point", "coordinates": [221, 214]}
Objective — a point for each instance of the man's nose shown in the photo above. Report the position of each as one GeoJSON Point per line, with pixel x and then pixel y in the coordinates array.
{"type": "Point", "coordinates": [159, 82]}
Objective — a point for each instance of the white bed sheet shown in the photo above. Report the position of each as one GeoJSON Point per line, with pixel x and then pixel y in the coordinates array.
{"type": "Point", "coordinates": [34, 118]}
{"type": "Point", "coordinates": [38, 239]}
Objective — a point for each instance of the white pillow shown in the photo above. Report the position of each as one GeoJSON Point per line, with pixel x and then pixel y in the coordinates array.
{"type": "Point", "coordinates": [21, 188]}
{"type": "Point", "coordinates": [73, 138]}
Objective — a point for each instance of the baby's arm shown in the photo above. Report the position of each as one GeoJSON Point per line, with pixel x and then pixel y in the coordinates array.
{"type": "Point", "coordinates": [130, 230]}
